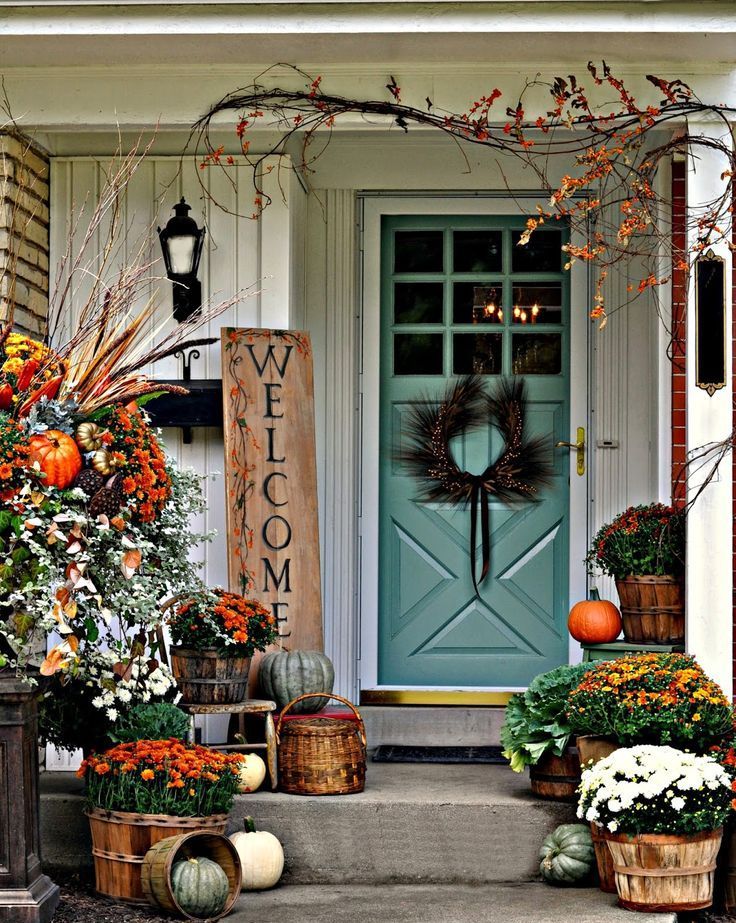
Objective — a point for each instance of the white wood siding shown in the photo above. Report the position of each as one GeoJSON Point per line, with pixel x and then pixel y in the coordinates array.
{"type": "Point", "coordinates": [239, 255]}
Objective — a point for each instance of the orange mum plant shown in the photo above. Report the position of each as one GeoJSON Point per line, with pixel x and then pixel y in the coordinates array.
{"type": "Point", "coordinates": [651, 699]}
{"type": "Point", "coordinates": [162, 777]}
{"type": "Point", "coordinates": [227, 622]}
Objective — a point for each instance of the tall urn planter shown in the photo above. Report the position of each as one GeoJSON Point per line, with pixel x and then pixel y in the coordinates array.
{"type": "Point", "coordinates": [26, 894]}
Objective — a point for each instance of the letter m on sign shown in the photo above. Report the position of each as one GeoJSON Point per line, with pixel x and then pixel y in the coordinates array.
{"type": "Point", "coordinates": [272, 535]}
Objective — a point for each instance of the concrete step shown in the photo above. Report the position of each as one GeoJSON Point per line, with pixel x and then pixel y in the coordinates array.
{"type": "Point", "coordinates": [428, 725]}
{"type": "Point", "coordinates": [414, 823]}
{"type": "Point", "coordinates": [530, 903]}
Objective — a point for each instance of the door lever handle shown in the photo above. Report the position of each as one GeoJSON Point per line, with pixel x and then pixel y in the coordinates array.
{"type": "Point", "coordinates": [579, 447]}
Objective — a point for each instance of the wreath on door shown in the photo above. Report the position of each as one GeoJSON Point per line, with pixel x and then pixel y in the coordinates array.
{"type": "Point", "coordinates": [521, 469]}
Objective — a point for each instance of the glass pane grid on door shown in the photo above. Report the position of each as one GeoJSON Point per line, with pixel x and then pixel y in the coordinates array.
{"type": "Point", "coordinates": [466, 299]}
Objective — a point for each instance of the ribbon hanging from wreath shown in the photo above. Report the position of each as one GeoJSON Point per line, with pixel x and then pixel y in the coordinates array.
{"type": "Point", "coordinates": [517, 474]}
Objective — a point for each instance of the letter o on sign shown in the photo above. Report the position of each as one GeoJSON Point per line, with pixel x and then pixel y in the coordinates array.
{"type": "Point", "coordinates": [274, 535]}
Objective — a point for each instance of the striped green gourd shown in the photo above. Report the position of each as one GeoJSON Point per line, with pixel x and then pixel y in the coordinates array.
{"type": "Point", "coordinates": [285, 675]}
{"type": "Point", "coordinates": [200, 887]}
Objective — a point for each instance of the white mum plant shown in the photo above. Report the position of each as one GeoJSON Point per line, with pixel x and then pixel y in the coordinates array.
{"type": "Point", "coordinates": [650, 789]}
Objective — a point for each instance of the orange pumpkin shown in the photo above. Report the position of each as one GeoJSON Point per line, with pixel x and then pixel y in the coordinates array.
{"type": "Point", "coordinates": [594, 621]}
{"type": "Point", "coordinates": [58, 456]}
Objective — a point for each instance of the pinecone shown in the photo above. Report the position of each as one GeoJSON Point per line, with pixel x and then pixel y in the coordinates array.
{"type": "Point", "coordinates": [105, 502]}
{"type": "Point", "coordinates": [115, 484]}
{"type": "Point", "coordinates": [90, 481]}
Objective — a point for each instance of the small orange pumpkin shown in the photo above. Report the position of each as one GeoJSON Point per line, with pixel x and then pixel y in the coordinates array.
{"type": "Point", "coordinates": [594, 621]}
{"type": "Point", "coordinates": [58, 456]}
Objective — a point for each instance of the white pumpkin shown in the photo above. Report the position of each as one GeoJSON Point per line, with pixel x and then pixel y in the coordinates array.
{"type": "Point", "coordinates": [261, 857]}
{"type": "Point", "coordinates": [252, 773]}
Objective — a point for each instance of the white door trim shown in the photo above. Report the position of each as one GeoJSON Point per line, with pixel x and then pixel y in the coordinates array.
{"type": "Point", "coordinates": [500, 203]}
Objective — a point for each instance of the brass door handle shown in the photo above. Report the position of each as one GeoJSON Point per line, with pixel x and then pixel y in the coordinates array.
{"type": "Point", "coordinates": [579, 447]}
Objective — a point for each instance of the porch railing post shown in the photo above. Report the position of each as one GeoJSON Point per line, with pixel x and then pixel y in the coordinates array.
{"type": "Point", "coordinates": [709, 580]}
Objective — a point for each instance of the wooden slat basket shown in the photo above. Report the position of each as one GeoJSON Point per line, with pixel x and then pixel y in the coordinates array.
{"type": "Point", "coordinates": [208, 678]}
{"type": "Point", "coordinates": [653, 609]}
{"type": "Point", "coordinates": [120, 840]}
{"type": "Point", "coordinates": [659, 872]}
{"type": "Point", "coordinates": [556, 777]}
{"type": "Point", "coordinates": [160, 858]}
{"type": "Point", "coordinates": [321, 756]}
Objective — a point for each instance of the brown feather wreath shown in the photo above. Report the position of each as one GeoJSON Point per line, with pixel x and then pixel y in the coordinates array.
{"type": "Point", "coordinates": [518, 472]}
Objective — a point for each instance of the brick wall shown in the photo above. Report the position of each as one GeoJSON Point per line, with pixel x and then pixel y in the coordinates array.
{"type": "Point", "coordinates": [679, 315]}
{"type": "Point", "coordinates": [24, 232]}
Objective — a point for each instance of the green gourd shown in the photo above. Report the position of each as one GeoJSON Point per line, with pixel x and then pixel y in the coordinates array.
{"type": "Point", "coordinates": [200, 887]}
{"type": "Point", "coordinates": [285, 675]}
{"type": "Point", "coordinates": [567, 855]}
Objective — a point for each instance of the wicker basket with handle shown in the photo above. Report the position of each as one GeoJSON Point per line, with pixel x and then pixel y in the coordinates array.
{"type": "Point", "coordinates": [321, 756]}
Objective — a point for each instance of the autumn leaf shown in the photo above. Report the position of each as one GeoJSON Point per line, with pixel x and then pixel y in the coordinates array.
{"type": "Point", "coordinates": [130, 563]}
{"type": "Point", "coordinates": [53, 662]}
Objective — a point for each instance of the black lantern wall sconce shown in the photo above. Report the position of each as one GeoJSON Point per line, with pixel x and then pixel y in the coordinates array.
{"type": "Point", "coordinates": [181, 242]}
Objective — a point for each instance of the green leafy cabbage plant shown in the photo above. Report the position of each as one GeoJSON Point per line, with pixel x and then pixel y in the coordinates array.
{"type": "Point", "coordinates": [536, 722]}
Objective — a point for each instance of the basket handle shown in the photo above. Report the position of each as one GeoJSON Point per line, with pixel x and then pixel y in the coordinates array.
{"type": "Point", "coordinates": [322, 695]}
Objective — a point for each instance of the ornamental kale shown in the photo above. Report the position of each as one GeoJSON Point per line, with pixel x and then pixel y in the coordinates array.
{"type": "Point", "coordinates": [536, 721]}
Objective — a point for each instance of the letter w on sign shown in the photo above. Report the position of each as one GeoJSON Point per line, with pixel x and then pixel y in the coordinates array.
{"type": "Point", "coordinates": [271, 477]}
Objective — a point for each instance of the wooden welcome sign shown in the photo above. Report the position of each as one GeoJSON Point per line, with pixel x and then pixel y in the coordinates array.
{"type": "Point", "coordinates": [271, 477]}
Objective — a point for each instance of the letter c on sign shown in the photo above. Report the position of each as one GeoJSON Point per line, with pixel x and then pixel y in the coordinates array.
{"type": "Point", "coordinates": [267, 487]}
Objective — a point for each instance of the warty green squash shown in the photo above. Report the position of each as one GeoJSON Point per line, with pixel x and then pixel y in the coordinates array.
{"type": "Point", "coordinates": [567, 855]}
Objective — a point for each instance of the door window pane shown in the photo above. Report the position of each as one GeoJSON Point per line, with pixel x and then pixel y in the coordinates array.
{"type": "Point", "coordinates": [418, 251]}
{"type": "Point", "coordinates": [536, 353]}
{"type": "Point", "coordinates": [418, 302]}
{"type": "Point", "coordinates": [476, 251]}
{"type": "Point", "coordinates": [478, 353]}
{"type": "Point", "coordinates": [419, 354]}
{"type": "Point", "coordinates": [476, 304]}
{"type": "Point", "coordinates": [537, 304]}
{"type": "Point", "coordinates": [543, 253]}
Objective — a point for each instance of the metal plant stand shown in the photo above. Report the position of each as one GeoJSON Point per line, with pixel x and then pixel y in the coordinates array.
{"type": "Point", "coordinates": [26, 894]}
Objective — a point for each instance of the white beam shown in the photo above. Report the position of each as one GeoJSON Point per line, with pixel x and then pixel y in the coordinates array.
{"type": "Point", "coordinates": [709, 575]}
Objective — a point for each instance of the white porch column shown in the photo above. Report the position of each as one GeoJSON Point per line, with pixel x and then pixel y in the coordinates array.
{"type": "Point", "coordinates": [709, 576]}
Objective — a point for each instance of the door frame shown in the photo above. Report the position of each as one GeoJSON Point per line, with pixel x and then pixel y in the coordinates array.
{"type": "Point", "coordinates": [373, 208]}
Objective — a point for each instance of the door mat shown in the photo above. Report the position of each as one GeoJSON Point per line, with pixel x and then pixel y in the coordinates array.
{"type": "Point", "coordinates": [395, 753]}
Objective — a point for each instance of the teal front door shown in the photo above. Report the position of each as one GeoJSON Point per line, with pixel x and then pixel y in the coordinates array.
{"type": "Point", "coordinates": [459, 296]}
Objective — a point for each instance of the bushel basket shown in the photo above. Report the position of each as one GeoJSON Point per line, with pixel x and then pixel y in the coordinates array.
{"type": "Point", "coordinates": [321, 756]}
{"type": "Point", "coordinates": [653, 609]}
